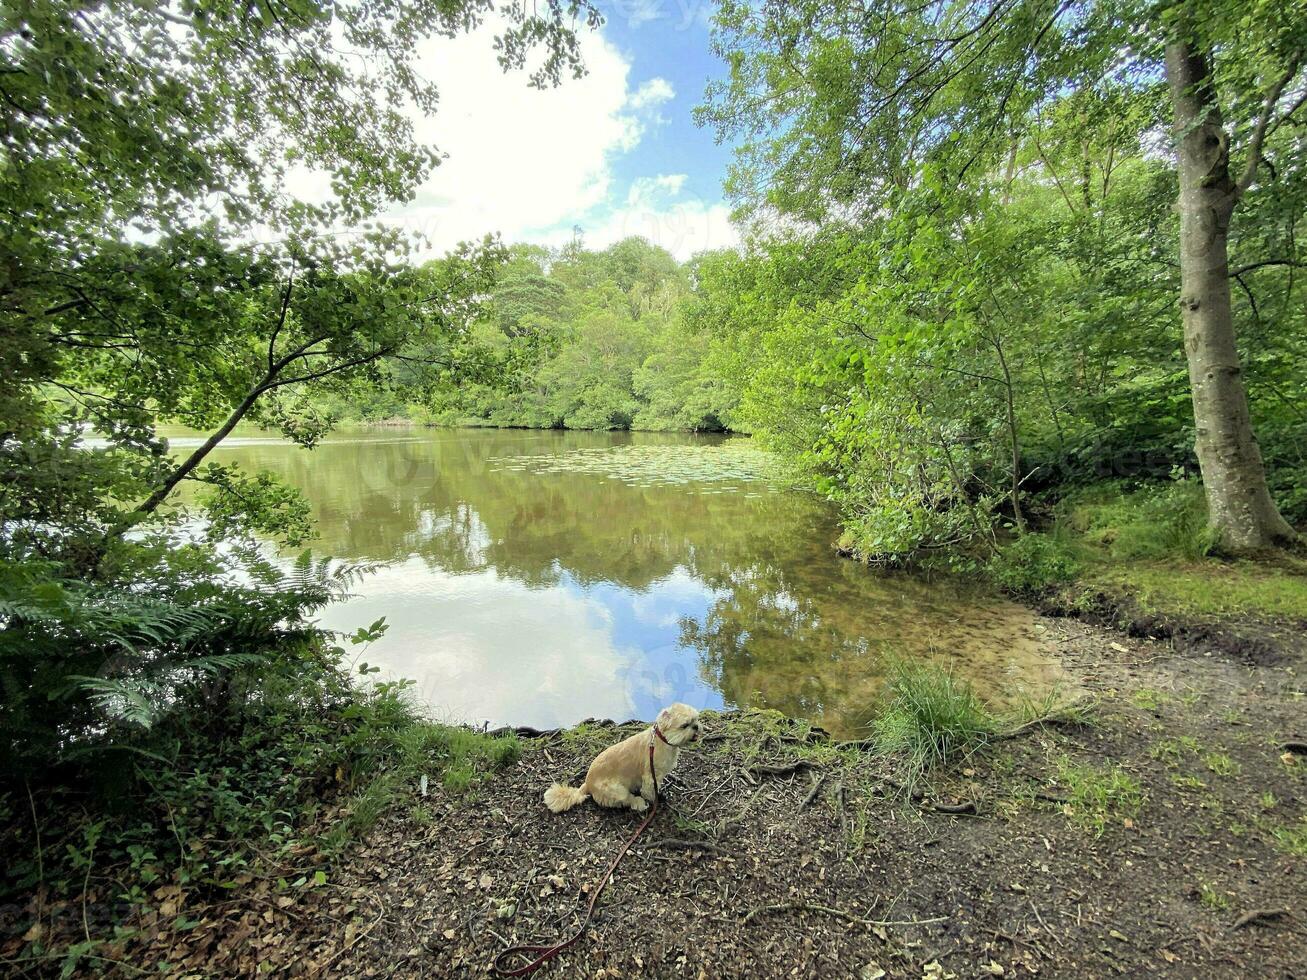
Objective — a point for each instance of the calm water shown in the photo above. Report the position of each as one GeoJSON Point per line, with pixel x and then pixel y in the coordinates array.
{"type": "Point", "coordinates": [544, 577]}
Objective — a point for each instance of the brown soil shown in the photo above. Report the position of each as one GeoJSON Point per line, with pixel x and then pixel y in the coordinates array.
{"type": "Point", "coordinates": [749, 873]}
{"type": "Point", "coordinates": [1250, 640]}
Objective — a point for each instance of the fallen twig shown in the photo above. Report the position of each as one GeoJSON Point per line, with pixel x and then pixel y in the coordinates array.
{"type": "Point", "coordinates": [838, 913]}
{"type": "Point", "coordinates": [817, 781]}
{"type": "Point", "coordinates": [743, 812]}
{"type": "Point", "coordinates": [709, 796]}
{"type": "Point", "coordinates": [1257, 915]}
{"type": "Point", "coordinates": [969, 807]}
{"type": "Point", "coordinates": [800, 739]}
{"type": "Point", "coordinates": [1018, 941]}
{"type": "Point", "coordinates": [1056, 938]}
{"type": "Point", "coordinates": [349, 945]}
{"type": "Point", "coordinates": [785, 770]}
{"type": "Point", "coordinates": [1034, 723]}
{"type": "Point", "coordinates": [857, 743]}
{"type": "Point", "coordinates": [523, 731]}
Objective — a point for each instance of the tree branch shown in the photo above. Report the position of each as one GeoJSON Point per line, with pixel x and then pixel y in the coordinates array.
{"type": "Point", "coordinates": [333, 368]}
{"type": "Point", "coordinates": [1265, 262]}
{"type": "Point", "coordinates": [71, 304]}
{"type": "Point", "coordinates": [281, 320]}
{"type": "Point", "coordinates": [1259, 131]}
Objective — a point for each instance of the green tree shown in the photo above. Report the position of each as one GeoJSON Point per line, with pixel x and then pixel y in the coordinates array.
{"type": "Point", "coordinates": [155, 264]}
{"type": "Point", "coordinates": [614, 349]}
{"type": "Point", "coordinates": [846, 113]}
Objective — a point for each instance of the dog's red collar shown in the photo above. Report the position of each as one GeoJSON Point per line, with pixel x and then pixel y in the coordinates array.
{"type": "Point", "coordinates": [661, 737]}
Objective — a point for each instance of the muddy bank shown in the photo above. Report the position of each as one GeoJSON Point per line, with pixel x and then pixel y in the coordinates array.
{"type": "Point", "coordinates": [1250, 640]}
{"type": "Point", "coordinates": [1166, 838]}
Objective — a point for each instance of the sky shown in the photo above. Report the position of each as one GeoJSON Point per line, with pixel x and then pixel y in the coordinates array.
{"type": "Point", "coordinates": [615, 153]}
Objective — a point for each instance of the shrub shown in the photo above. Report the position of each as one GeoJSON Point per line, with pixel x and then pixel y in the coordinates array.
{"type": "Point", "coordinates": [90, 666]}
{"type": "Point", "coordinates": [183, 725]}
{"type": "Point", "coordinates": [293, 757]}
{"type": "Point", "coordinates": [1033, 563]}
{"type": "Point", "coordinates": [1289, 488]}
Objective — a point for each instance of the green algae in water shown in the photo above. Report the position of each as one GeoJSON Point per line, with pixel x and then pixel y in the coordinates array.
{"type": "Point", "coordinates": [658, 465]}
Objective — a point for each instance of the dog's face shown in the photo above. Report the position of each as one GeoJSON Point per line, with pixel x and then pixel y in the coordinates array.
{"type": "Point", "coordinates": [679, 724]}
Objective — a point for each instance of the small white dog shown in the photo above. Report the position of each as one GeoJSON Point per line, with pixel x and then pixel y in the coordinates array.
{"type": "Point", "coordinates": [620, 775]}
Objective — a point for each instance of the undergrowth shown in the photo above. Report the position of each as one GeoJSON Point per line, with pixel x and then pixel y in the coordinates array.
{"type": "Point", "coordinates": [1034, 563]}
{"type": "Point", "coordinates": [269, 776]}
{"type": "Point", "coordinates": [1150, 543]}
{"type": "Point", "coordinates": [1155, 521]}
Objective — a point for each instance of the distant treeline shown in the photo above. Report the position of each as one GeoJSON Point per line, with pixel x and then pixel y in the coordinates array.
{"type": "Point", "coordinates": [602, 339]}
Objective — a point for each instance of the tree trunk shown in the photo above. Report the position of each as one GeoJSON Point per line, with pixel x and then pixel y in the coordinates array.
{"type": "Point", "coordinates": [1239, 503]}
{"type": "Point", "coordinates": [1014, 492]}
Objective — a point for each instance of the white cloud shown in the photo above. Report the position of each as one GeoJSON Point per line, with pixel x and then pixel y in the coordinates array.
{"type": "Point", "coordinates": [682, 14]}
{"type": "Point", "coordinates": [636, 12]}
{"type": "Point", "coordinates": [655, 209]}
{"type": "Point", "coordinates": [531, 164]}
{"type": "Point", "coordinates": [646, 190]}
{"type": "Point", "coordinates": [682, 227]}
{"type": "Point", "coordinates": [516, 158]}
{"type": "Point", "coordinates": [651, 93]}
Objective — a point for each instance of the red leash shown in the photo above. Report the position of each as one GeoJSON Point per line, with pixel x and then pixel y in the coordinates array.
{"type": "Point", "coordinates": [543, 954]}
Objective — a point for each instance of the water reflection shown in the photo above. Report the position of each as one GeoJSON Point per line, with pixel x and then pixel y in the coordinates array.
{"type": "Point", "coordinates": [519, 590]}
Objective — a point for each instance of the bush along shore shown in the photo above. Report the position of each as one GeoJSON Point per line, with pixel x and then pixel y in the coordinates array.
{"type": "Point", "coordinates": [1150, 820]}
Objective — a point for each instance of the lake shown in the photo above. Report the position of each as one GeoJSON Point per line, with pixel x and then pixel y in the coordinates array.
{"type": "Point", "coordinates": [543, 577]}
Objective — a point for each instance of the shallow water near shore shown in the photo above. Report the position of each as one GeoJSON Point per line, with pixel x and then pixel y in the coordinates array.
{"type": "Point", "coordinates": [543, 577]}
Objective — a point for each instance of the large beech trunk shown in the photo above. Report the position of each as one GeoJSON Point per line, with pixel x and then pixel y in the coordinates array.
{"type": "Point", "coordinates": [1240, 506]}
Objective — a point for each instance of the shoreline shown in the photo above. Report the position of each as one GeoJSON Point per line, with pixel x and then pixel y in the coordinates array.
{"type": "Point", "coordinates": [403, 423]}
{"type": "Point", "coordinates": [1164, 836]}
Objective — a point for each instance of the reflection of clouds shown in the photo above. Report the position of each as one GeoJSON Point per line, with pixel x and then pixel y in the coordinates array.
{"type": "Point", "coordinates": [530, 586]}
{"type": "Point", "coordinates": [645, 629]}
{"type": "Point", "coordinates": [663, 604]}
{"type": "Point", "coordinates": [485, 648]}
{"type": "Point", "coordinates": [662, 675]}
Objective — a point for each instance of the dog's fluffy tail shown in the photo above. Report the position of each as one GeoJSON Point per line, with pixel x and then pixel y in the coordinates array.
{"type": "Point", "coordinates": [559, 797]}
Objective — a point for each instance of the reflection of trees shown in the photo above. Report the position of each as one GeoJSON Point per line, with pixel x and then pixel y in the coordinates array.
{"type": "Point", "coordinates": [769, 641]}
{"type": "Point", "coordinates": [809, 637]}
{"type": "Point", "coordinates": [444, 497]}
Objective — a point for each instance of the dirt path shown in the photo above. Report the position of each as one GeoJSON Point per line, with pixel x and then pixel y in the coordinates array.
{"type": "Point", "coordinates": [745, 873]}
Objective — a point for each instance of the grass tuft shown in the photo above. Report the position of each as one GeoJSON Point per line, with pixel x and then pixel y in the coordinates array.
{"type": "Point", "coordinates": [1221, 764]}
{"type": "Point", "coordinates": [1166, 521]}
{"type": "Point", "coordinates": [1212, 898]}
{"type": "Point", "coordinates": [1099, 796]}
{"type": "Point", "coordinates": [931, 717]}
{"type": "Point", "coordinates": [1055, 706]}
{"type": "Point", "coordinates": [1292, 838]}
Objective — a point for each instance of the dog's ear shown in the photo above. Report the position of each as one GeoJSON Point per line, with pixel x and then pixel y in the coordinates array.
{"type": "Point", "coordinates": [664, 718]}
